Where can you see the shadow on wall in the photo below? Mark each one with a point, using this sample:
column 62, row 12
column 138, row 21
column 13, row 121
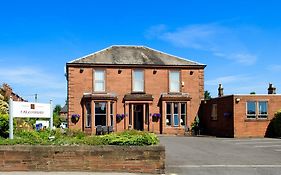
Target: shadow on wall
column 274, row 128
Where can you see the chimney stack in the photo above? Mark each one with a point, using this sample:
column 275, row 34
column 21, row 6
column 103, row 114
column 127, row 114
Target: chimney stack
column 271, row 89
column 220, row 90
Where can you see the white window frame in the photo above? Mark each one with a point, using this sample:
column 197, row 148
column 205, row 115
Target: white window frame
column 100, row 114
column 99, row 81
column 174, row 81
column 136, row 80
column 214, row 115
column 88, row 121
column 257, row 111
column 173, row 115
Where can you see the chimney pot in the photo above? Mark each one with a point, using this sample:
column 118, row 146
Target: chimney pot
column 220, row 90
column 271, row 89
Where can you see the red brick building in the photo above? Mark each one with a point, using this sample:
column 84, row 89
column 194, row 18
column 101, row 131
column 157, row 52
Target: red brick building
column 239, row 115
column 134, row 87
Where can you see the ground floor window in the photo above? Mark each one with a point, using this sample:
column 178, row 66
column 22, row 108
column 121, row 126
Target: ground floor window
column 100, row 113
column 175, row 114
column 257, row 109
column 111, row 114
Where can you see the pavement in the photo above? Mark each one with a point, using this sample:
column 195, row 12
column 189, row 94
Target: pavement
column 222, row 156
column 209, row 156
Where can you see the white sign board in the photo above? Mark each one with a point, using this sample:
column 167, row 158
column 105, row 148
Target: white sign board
column 30, row 110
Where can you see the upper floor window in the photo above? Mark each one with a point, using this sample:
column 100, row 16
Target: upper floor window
column 99, row 80
column 138, row 81
column 257, row 109
column 174, row 81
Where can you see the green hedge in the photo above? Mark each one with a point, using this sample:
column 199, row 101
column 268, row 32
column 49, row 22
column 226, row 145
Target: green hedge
column 69, row 137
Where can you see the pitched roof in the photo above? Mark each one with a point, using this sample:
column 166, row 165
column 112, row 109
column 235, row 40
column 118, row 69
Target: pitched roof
column 133, row 55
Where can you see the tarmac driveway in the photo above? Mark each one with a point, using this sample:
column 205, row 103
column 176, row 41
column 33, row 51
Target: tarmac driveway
column 210, row 155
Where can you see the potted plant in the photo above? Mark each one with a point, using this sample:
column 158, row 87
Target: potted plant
column 75, row 118
column 156, row 117
column 119, row 117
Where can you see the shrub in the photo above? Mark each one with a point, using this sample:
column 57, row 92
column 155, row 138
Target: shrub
column 274, row 127
column 4, row 125
column 70, row 137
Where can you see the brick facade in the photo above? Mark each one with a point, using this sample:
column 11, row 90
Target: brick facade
column 232, row 118
column 118, row 81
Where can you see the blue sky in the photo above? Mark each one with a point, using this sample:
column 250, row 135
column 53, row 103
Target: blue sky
column 240, row 41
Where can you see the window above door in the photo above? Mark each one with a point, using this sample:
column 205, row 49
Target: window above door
column 138, row 80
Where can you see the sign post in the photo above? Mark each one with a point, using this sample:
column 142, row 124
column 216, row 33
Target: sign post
column 11, row 124
column 28, row 110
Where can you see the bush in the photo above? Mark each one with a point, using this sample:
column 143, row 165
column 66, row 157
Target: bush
column 4, row 125
column 70, row 137
column 274, row 127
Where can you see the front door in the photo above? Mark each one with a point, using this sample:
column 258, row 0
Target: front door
column 138, row 117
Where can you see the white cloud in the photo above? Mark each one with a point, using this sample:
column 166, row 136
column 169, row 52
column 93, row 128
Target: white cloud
column 221, row 41
column 28, row 81
column 274, row 68
column 227, row 80
column 31, row 77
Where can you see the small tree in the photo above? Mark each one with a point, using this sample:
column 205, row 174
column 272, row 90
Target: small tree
column 252, row 93
column 56, row 116
column 207, row 95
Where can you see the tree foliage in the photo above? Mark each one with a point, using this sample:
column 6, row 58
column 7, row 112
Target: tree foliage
column 207, row 95
column 4, row 106
column 274, row 127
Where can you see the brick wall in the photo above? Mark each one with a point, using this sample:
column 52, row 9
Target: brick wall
column 254, row 127
column 146, row 159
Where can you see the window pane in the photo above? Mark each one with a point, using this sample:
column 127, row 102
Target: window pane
column 174, row 79
column 168, row 120
column 251, row 107
column 183, row 120
column 176, row 120
column 138, row 80
column 100, row 108
column 176, row 108
column 138, row 86
column 88, row 114
column 138, row 74
column 99, row 75
column 168, row 108
column 174, row 87
column 183, row 108
column 263, row 109
column 100, row 120
column 99, row 86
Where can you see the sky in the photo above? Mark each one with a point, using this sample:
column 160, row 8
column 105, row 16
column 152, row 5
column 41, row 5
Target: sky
column 239, row 41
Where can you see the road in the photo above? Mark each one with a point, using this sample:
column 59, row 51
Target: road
column 222, row 156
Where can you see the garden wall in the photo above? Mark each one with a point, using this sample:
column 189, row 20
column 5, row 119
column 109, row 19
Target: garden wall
column 144, row 159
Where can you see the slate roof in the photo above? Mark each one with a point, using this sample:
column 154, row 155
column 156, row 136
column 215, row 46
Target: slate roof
column 133, row 55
